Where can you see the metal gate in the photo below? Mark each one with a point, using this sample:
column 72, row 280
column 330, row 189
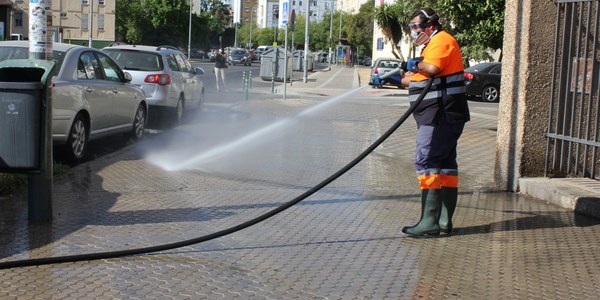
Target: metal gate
column 572, row 140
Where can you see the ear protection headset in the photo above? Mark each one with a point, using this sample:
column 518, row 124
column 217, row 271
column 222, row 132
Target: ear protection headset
column 433, row 19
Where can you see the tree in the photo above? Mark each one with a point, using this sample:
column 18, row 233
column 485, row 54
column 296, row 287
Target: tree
column 477, row 25
column 160, row 22
column 389, row 18
column 360, row 28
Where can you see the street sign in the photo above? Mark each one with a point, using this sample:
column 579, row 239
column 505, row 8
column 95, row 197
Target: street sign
column 284, row 6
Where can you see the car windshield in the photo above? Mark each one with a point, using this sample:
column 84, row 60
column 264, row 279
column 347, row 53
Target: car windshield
column 13, row 52
column 388, row 64
column 238, row 52
column 136, row 60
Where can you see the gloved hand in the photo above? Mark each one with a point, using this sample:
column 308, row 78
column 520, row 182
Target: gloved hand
column 411, row 64
column 376, row 81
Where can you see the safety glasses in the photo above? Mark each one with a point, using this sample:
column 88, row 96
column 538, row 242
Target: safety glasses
column 414, row 26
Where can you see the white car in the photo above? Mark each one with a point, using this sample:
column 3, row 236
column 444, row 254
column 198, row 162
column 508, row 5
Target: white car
column 171, row 84
column 91, row 96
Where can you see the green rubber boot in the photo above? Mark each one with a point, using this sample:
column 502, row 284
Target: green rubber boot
column 449, row 199
column 431, row 202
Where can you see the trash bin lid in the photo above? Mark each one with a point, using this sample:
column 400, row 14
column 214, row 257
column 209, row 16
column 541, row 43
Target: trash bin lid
column 20, row 85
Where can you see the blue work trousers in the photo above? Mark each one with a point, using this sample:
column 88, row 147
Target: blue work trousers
column 436, row 147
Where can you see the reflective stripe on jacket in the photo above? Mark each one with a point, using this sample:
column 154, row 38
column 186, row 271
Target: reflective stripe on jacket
column 447, row 93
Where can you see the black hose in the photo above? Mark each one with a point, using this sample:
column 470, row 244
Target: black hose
column 121, row 253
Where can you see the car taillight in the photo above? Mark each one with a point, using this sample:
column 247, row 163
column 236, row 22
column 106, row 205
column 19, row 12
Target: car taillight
column 160, row 79
column 376, row 71
column 469, row 76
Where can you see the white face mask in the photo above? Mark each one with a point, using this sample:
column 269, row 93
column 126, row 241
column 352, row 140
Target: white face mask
column 414, row 34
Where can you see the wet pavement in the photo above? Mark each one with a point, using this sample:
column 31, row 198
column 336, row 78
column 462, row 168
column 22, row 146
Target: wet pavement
column 241, row 159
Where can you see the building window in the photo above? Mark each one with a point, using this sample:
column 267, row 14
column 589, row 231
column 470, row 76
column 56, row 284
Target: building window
column 84, row 21
column 63, row 15
column 314, row 3
column 100, row 22
column 85, row 2
column 18, row 19
column 300, row 3
column 100, row 2
column 380, row 44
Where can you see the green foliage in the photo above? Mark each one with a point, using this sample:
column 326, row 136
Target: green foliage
column 159, row 22
column 477, row 25
column 360, row 28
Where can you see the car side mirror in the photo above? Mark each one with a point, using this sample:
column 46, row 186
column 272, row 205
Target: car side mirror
column 199, row 71
column 127, row 76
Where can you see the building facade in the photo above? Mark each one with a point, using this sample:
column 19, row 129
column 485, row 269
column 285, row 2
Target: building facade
column 73, row 21
column 382, row 47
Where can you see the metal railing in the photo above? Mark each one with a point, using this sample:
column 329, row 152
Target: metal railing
column 572, row 139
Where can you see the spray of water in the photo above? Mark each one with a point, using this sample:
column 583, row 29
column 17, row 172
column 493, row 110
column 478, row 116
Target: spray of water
column 175, row 161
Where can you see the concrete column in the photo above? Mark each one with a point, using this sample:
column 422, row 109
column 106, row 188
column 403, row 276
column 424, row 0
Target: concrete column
column 528, row 49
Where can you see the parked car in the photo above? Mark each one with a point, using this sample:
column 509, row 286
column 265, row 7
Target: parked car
column 171, row 84
column 238, row 56
column 383, row 65
column 483, row 81
column 195, row 53
column 91, row 97
column 367, row 61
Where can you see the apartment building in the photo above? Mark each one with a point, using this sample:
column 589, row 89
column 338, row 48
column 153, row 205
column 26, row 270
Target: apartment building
column 73, row 21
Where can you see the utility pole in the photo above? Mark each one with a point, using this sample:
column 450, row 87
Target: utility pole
column 340, row 33
column 39, row 185
column 235, row 35
column 91, row 21
column 305, row 77
column 251, row 10
column 329, row 56
column 190, row 33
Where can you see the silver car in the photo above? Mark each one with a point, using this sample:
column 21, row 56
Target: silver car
column 172, row 86
column 383, row 65
column 91, row 97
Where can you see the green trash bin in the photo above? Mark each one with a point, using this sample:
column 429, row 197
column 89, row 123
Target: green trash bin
column 23, row 96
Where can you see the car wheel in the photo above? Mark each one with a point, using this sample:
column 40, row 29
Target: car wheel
column 139, row 123
column 178, row 112
column 78, row 139
column 490, row 93
column 202, row 100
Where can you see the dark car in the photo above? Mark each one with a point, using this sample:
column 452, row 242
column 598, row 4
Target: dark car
column 195, row 53
column 483, row 81
column 239, row 56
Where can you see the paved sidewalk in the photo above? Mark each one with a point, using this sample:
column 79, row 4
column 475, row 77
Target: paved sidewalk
column 343, row 242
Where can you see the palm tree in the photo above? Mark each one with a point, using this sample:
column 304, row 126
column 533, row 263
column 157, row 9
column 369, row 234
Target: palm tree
column 389, row 18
